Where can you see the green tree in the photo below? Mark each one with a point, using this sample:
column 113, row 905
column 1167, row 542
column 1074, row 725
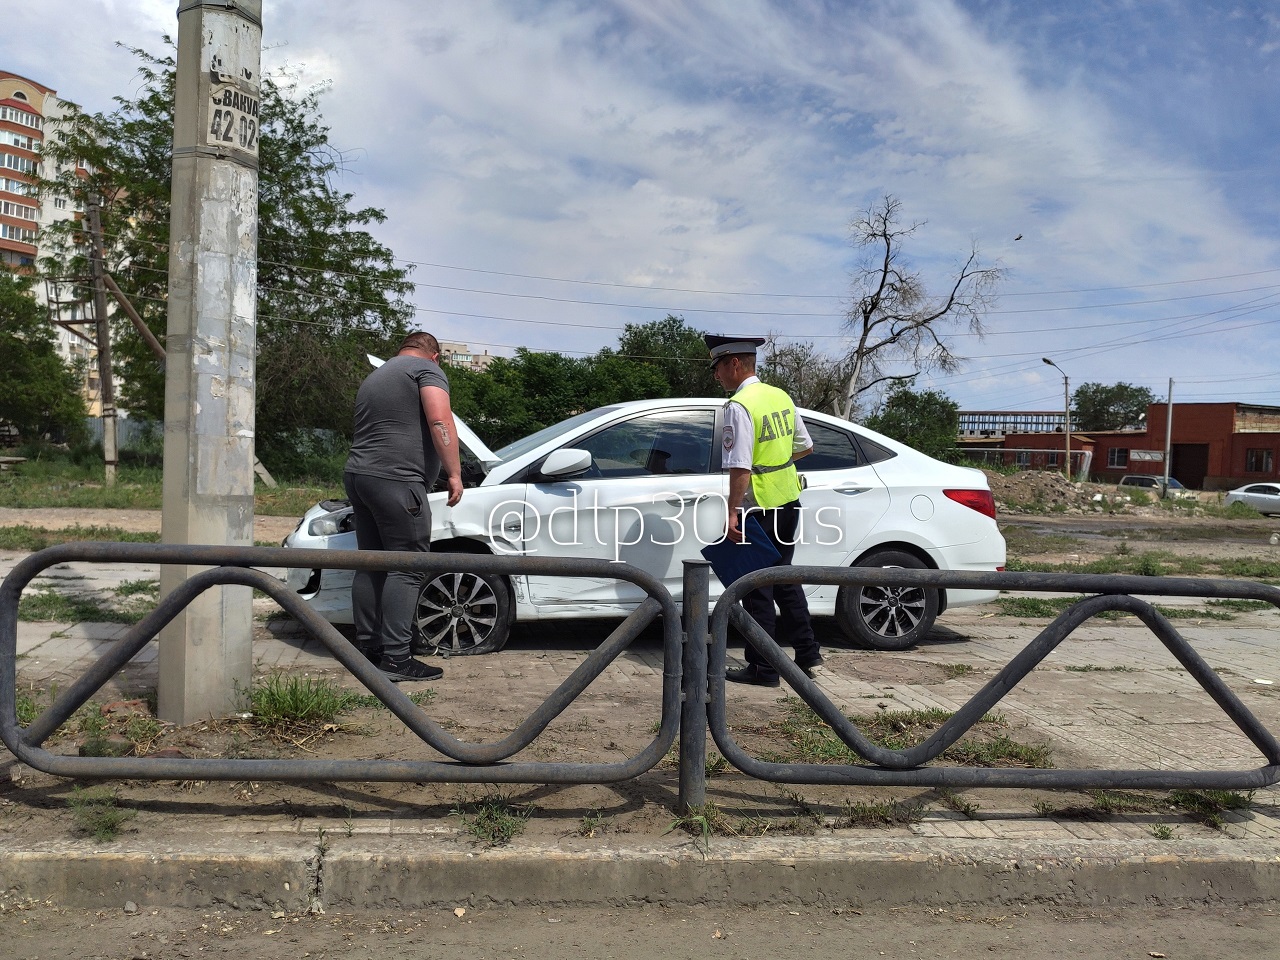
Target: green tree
column 1096, row 406
column 676, row 351
column 328, row 292
column 39, row 392
column 927, row 420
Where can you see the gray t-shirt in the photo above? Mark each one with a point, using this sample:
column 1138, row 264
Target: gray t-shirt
column 392, row 439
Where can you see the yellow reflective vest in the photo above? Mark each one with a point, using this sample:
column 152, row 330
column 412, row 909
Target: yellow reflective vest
column 774, row 480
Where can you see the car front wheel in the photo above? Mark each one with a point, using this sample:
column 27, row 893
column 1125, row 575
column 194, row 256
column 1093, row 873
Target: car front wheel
column 459, row 614
column 887, row 618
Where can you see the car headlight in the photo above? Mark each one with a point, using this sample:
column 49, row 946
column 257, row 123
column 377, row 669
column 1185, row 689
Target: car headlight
column 328, row 524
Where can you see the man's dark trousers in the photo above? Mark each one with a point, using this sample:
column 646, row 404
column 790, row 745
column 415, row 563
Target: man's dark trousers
column 390, row 515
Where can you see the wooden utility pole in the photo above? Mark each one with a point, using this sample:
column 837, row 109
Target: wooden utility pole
column 106, row 386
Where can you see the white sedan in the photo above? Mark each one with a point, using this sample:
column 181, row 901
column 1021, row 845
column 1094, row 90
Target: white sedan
column 641, row 482
column 1263, row 497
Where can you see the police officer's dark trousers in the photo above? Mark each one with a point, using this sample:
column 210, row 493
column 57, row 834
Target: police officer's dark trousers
column 791, row 625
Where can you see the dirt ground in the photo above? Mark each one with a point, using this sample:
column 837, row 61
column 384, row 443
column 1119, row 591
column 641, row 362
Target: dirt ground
column 38, row 930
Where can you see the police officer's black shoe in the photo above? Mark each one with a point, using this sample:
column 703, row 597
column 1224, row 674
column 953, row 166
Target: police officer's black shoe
column 808, row 664
column 753, row 674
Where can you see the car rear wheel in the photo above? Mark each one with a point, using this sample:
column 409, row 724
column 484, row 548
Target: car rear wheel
column 887, row 618
column 459, row 614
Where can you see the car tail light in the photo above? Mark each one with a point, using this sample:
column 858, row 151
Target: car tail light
column 980, row 500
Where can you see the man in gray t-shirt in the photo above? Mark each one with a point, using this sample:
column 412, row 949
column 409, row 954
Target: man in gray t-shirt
column 404, row 433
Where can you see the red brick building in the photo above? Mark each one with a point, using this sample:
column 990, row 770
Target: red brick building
column 1214, row 446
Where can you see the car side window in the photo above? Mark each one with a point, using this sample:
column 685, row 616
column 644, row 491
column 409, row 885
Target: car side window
column 832, row 449
column 670, row 442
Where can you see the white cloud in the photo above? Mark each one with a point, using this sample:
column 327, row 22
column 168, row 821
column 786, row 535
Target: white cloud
column 726, row 144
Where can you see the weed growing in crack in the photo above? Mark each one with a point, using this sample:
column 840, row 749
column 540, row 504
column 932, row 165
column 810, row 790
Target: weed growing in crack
column 494, row 819
column 96, row 812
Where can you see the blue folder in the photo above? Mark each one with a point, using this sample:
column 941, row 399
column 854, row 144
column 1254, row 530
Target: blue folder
column 730, row 560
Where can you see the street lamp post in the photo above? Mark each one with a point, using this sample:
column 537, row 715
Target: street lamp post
column 1066, row 402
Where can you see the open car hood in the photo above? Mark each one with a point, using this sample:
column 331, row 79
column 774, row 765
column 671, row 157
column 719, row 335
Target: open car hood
column 466, row 435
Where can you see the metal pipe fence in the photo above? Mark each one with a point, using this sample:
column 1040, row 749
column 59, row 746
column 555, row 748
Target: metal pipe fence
column 908, row 767
column 693, row 697
column 479, row 763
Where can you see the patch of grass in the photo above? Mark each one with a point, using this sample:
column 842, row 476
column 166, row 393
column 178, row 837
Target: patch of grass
column 282, row 702
column 135, row 588
column 701, row 822
column 961, row 805
column 1240, row 606
column 1237, row 511
column 96, row 812
column 1208, row 806
column 53, row 480
column 47, row 604
column 1162, row 831
column 494, row 819
column 1094, row 668
column 716, row 765
column 358, row 701
column 955, row 670
column 1050, row 607
column 593, row 822
column 29, row 539
column 1046, row 607
column 878, row 813
column 1000, row 750
column 1203, row 806
column 810, row 740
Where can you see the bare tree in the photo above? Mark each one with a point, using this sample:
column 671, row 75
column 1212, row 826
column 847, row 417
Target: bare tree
column 893, row 316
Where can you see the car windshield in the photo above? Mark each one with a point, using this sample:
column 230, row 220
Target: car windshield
column 519, row 447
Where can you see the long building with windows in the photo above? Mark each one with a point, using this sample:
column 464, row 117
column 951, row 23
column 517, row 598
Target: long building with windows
column 28, row 109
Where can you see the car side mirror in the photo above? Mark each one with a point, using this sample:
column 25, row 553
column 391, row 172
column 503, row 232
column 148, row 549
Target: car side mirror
column 565, row 463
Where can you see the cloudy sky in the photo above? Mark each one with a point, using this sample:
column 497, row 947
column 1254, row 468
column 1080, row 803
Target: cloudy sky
column 555, row 169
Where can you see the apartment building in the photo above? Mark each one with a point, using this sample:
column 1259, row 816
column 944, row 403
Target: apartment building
column 28, row 110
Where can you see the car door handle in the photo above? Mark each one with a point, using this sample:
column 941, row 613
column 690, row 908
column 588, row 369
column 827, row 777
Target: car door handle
column 851, row 491
column 678, row 499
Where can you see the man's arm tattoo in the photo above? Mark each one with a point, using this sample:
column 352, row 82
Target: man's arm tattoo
column 443, row 431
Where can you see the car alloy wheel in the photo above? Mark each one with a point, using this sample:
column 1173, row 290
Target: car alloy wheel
column 458, row 614
column 887, row 618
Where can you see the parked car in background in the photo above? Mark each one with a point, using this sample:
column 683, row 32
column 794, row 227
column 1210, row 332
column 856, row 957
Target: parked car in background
column 641, row 482
column 1263, row 497
column 1152, row 485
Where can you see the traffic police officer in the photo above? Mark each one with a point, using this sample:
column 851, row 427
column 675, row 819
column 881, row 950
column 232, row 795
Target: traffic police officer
column 763, row 437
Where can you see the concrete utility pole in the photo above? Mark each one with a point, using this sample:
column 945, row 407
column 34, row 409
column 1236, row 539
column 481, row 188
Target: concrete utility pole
column 106, row 385
column 206, row 655
column 1168, row 442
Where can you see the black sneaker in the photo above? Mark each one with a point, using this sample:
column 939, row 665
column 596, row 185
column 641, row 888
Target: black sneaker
column 408, row 669
column 752, row 674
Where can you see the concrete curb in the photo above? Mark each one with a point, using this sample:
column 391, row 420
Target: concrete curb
column 343, row 874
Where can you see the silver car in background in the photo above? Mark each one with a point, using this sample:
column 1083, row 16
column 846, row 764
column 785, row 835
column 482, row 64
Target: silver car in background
column 1263, row 497
column 642, row 483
